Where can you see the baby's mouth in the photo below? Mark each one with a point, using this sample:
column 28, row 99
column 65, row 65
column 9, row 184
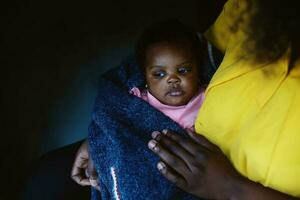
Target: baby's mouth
column 175, row 92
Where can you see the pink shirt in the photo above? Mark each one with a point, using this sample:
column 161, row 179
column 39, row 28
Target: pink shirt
column 184, row 115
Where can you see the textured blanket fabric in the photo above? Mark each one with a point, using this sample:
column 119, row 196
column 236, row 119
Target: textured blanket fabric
column 120, row 129
column 118, row 135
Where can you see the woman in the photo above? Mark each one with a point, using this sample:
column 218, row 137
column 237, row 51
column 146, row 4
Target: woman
column 250, row 112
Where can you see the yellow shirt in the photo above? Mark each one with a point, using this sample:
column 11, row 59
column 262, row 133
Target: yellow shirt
column 252, row 111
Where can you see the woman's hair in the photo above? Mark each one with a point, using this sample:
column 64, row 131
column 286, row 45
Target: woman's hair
column 171, row 31
column 274, row 27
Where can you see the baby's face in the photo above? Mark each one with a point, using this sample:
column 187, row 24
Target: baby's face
column 171, row 73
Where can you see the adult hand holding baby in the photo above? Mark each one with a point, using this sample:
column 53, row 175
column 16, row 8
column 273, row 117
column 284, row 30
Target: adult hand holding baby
column 83, row 170
column 194, row 164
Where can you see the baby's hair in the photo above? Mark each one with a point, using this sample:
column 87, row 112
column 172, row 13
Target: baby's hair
column 171, row 31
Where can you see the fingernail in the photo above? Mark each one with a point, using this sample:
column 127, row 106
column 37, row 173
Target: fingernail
column 152, row 145
column 94, row 182
column 161, row 166
column 86, row 173
column 155, row 134
column 98, row 188
column 165, row 131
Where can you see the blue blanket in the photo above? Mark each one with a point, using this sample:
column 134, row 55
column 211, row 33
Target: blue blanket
column 118, row 135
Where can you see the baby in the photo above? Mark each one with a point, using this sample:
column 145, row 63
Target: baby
column 169, row 82
column 170, row 55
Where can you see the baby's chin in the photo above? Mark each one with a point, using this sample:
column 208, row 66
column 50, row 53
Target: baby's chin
column 176, row 101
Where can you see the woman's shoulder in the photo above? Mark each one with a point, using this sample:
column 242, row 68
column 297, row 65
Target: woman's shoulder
column 230, row 25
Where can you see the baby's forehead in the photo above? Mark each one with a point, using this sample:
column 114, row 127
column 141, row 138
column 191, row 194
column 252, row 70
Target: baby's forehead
column 166, row 53
column 177, row 44
column 170, row 48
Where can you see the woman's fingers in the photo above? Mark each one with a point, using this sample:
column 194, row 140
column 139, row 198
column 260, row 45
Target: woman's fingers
column 189, row 145
column 83, row 170
column 173, row 144
column 185, row 143
column 194, row 164
column 78, row 170
column 177, row 164
column 171, row 175
column 200, row 139
column 92, row 174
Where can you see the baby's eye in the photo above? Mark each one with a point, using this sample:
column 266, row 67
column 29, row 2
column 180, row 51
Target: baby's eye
column 159, row 74
column 184, row 70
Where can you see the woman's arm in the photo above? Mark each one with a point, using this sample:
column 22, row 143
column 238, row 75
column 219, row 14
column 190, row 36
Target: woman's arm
column 200, row 168
column 246, row 189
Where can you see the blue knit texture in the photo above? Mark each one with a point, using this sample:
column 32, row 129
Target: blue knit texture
column 120, row 129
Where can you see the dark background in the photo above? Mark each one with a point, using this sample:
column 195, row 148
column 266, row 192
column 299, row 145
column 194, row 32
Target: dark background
column 52, row 53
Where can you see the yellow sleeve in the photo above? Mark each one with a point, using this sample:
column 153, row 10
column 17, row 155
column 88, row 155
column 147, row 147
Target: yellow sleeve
column 220, row 33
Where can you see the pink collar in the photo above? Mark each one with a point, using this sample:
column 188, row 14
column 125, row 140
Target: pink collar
column 184, row 115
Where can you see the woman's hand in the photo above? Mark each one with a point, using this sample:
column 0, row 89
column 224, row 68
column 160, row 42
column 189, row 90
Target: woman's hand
column 195, row 165
column 200, row 168
column 83, row 170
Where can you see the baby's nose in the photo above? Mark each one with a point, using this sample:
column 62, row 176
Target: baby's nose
column 173, row 79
